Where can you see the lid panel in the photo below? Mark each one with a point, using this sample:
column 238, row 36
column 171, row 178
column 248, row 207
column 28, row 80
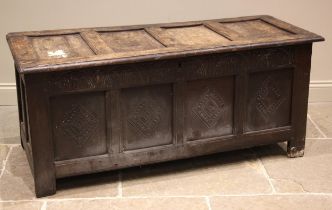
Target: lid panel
column 192, row 35
column 62, row 46
column 256, row 29
column 132, row 40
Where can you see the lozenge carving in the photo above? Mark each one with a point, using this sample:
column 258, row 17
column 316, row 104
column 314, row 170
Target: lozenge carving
column 79, row 123
column 268, row 98
column 145, row 118
column 209, row 108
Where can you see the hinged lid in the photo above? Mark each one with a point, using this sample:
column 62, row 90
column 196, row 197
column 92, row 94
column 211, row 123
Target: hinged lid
column 75, row 48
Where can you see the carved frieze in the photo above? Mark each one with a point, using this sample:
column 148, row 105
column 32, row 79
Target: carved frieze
column 267, row 59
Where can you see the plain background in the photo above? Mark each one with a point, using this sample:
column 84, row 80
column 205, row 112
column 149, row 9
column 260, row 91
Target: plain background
column 23, row 15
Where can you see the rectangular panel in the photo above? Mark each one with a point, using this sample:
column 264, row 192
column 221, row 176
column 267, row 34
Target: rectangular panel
column 147, row 116
column 64, row 46
column 209, row 106
column 131, row 40
column 269, row 100
column 79, row 125
column 191, row 35
column 23, row 49
column 255, row 29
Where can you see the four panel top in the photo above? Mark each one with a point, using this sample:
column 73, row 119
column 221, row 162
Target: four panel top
column 75, row 48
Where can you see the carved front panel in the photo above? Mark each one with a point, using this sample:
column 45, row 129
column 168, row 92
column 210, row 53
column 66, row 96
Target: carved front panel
column 147, row 116
column 269, row 100
column 79, row 126
column 209, row 108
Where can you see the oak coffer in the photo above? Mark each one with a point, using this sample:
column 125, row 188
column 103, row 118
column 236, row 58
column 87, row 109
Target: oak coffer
column 97, row 99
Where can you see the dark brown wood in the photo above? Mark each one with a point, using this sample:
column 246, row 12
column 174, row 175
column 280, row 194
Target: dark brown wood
column 19, row 103
column 166, row 153
column 301, row 73
column 101, row 99
column 40, row 133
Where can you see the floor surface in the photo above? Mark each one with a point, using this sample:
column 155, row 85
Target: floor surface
column 257, row 178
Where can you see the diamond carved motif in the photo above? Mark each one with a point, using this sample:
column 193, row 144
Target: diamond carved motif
column 268, row 98
column 209, row 108
column 145, row 118
column 79, row 124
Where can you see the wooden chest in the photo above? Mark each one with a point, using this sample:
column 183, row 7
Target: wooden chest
column 97, row 99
